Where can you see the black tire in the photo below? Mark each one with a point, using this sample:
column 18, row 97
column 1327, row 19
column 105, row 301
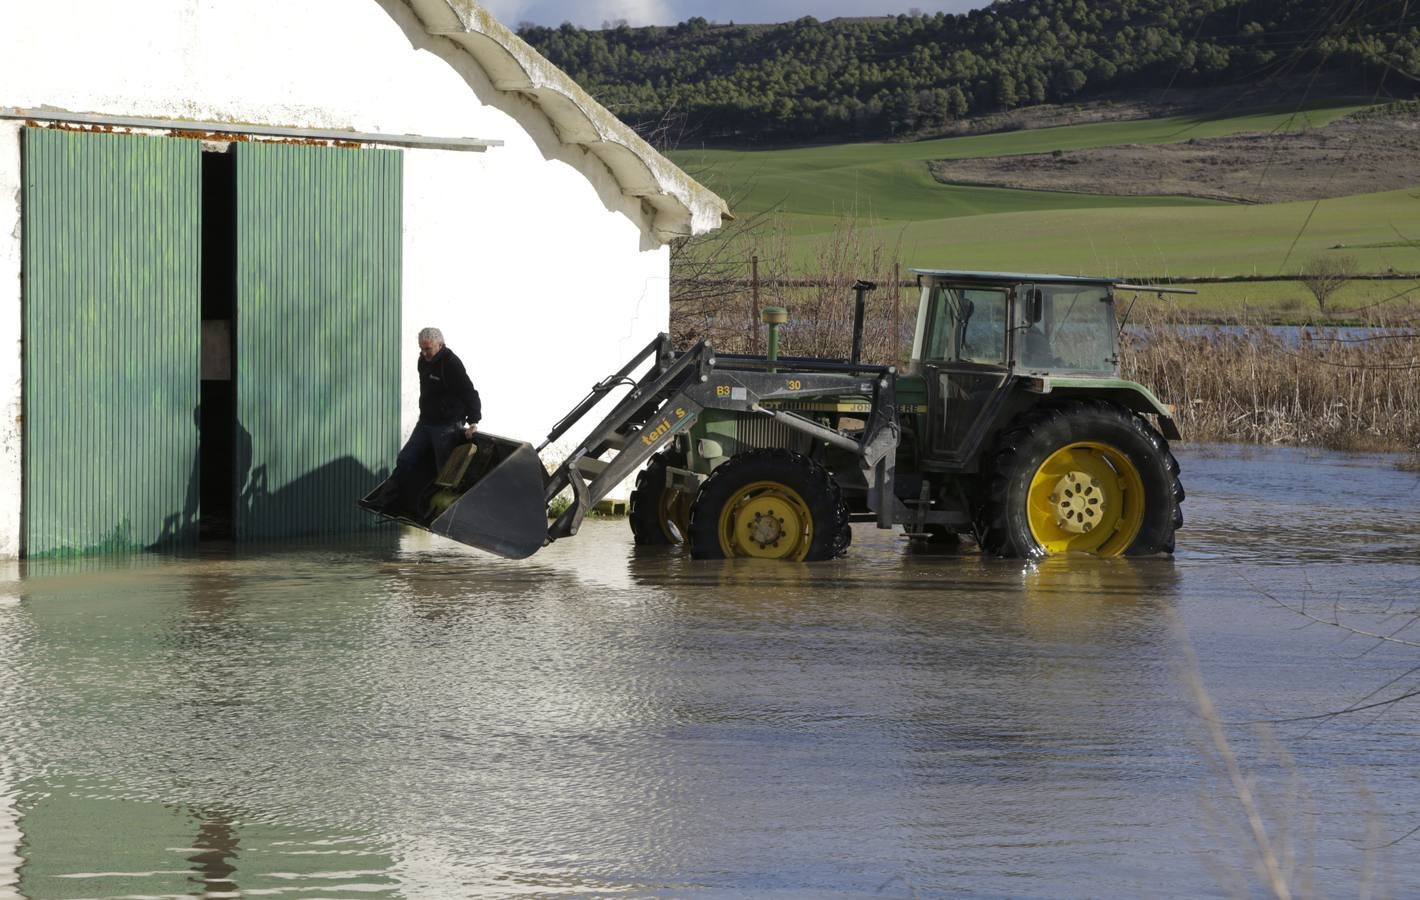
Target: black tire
column 815, row 486
column 1003, row 525
column 645, row 510
column 845, row 535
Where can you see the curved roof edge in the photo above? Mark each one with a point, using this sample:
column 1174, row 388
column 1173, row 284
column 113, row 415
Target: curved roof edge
column 679, row 206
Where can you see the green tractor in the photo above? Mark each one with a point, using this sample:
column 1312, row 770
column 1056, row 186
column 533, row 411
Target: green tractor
column 1011, row 425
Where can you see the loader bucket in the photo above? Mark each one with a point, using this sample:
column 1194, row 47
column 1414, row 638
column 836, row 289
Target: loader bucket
column 489, row 495
column 503, row 511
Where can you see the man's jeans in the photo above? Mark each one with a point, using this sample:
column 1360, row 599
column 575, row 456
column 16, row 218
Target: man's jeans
column 419, row 463
column 426, row 439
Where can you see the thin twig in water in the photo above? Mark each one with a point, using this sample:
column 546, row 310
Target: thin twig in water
column 1268, row 863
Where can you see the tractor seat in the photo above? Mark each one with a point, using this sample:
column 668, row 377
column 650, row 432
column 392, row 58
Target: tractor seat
column 456, row 466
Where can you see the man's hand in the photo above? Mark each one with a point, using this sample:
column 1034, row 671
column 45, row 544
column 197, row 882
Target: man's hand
column 469, row 432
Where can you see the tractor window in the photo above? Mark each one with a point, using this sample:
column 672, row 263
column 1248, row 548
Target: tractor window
column 1065, row 328
column 967, row 325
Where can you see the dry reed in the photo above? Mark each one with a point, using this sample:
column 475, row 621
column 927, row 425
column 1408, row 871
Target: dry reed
column 712, row 294
column 1247, row 383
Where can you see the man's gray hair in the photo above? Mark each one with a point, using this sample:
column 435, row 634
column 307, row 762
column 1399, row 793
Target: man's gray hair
column 431, row 334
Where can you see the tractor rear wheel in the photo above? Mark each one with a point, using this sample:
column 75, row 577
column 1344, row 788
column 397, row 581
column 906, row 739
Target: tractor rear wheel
column 769, row 504
column 1080, row 477
column 659, row 515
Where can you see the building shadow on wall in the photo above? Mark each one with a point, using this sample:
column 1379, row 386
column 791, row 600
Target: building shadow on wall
column 228, row 497
column 206, row 512
column 321, row 501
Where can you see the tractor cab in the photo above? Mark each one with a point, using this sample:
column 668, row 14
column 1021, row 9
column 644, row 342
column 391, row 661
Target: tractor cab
column 978, row 332
column 1028, row 324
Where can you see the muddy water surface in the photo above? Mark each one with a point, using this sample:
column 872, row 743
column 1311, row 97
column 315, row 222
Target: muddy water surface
column 405, row 717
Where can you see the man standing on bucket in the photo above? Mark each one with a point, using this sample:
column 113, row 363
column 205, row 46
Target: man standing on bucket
column 449, row 412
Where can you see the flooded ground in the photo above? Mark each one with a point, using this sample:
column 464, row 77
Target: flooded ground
column 1291, row 336
column 404, row 717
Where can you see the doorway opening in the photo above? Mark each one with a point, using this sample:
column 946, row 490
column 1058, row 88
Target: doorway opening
column 217, row 409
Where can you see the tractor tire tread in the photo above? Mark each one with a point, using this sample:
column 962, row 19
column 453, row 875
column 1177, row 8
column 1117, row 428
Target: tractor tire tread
column 1027, row 441
column 817, row 486
column 643, row 509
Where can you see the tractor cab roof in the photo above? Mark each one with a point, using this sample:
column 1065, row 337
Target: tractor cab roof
column 1012, row 277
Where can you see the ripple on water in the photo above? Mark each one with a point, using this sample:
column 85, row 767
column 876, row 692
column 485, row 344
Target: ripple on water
column 404, row 716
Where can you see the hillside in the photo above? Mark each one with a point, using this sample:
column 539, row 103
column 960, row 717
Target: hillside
column 813, row 186
column 1355, row 155
column 855, row 79
column 885, row 196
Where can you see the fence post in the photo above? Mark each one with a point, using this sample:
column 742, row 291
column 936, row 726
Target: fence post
column 896, row 345
column 754, row 305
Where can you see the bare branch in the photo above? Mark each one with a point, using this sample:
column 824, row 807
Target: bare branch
column 1325, row 275
column 1268, row 858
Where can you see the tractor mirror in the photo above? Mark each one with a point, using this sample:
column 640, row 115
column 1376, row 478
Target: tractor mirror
column 1037, row 305
column 963, row 316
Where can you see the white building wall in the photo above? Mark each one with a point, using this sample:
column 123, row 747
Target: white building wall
column 540, row 271
column 538, row 323
column 10, row 358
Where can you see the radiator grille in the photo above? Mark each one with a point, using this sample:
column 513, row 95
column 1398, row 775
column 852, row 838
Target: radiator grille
column 762, row 431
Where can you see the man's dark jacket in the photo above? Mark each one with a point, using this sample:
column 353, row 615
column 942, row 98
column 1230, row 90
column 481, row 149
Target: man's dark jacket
column 446, row 395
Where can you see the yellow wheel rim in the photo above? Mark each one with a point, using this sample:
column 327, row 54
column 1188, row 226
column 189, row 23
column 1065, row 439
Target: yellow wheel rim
column 1086, row 498
column 674, row 515
column 766, row 520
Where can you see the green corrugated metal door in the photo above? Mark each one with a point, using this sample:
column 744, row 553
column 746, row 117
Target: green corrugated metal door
column 111, row 317
column 318, row 315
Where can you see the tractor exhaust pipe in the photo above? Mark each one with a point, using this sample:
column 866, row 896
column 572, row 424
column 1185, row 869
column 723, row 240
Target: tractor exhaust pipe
column 773, row 316
column 859, row 306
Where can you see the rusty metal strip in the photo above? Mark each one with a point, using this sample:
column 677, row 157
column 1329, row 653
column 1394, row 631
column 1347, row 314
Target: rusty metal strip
column 239, row 131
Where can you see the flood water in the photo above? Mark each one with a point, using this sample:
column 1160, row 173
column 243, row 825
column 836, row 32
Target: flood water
column 1320, row 337
column 400, row 716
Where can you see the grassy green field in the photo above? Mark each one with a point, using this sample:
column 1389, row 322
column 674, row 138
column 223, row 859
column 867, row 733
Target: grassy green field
column 1226, row 239
column 891, row 182
column 890, row 196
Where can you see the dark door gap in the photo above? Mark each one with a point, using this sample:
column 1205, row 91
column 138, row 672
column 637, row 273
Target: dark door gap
column 217, row 413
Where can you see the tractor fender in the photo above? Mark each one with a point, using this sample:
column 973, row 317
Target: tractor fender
column 1129, row 394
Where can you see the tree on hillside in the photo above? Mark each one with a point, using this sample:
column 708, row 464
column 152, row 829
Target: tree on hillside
column 1325, row 275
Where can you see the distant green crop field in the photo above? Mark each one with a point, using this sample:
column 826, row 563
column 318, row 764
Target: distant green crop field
column 890, row 181
column 1220, row 239
column 887, row 192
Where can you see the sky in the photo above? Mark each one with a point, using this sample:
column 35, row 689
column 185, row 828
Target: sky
column 592, row 13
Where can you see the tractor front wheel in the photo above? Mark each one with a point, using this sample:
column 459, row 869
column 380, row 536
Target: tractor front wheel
column 659, row 515
column 1081, row 477
column 769, row 504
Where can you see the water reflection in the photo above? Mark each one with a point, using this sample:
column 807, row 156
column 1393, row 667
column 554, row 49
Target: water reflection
column 1098, row 599
column 83, row 840
column 947, row 686
column 217, row 846
column 12, row 763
